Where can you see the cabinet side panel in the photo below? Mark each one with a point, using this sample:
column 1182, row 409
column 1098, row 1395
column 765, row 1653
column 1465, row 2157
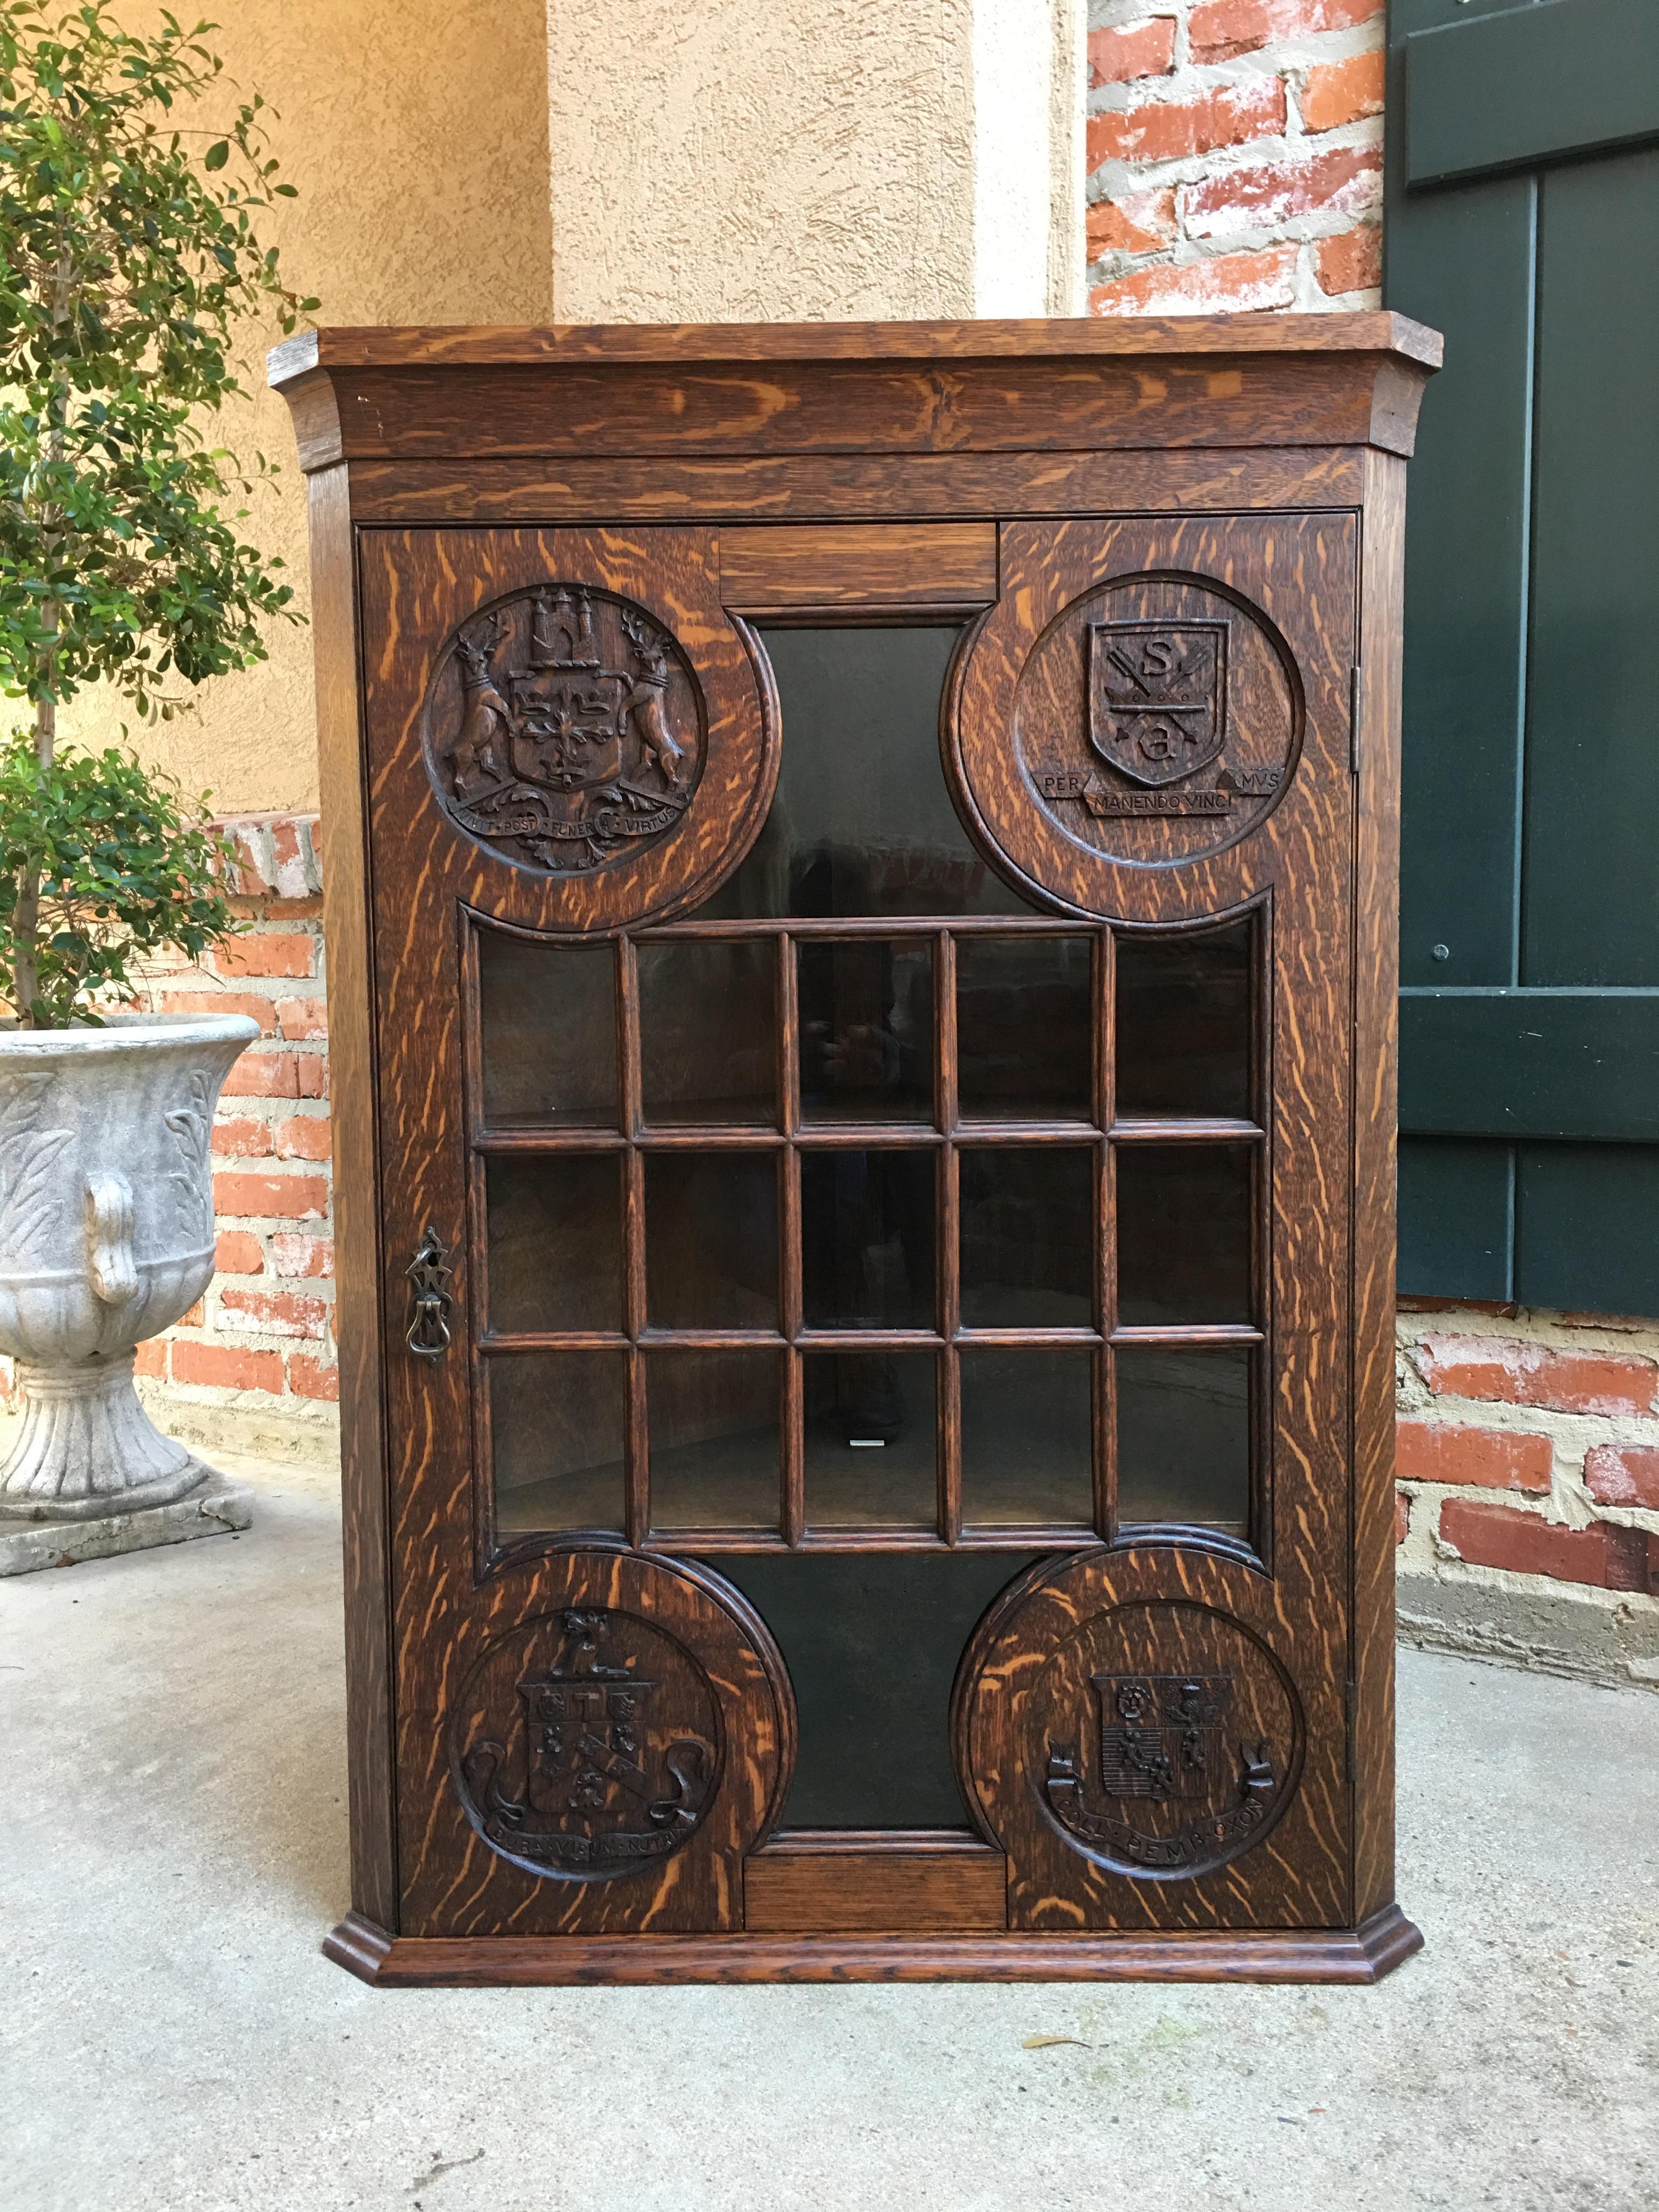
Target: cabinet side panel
column 346, row 910
column 1377, row 924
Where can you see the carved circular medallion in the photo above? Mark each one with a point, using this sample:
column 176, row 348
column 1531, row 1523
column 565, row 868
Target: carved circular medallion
column 643, row 1707
column 1158, row 719
column 588, row 1744
column 1163, row 1737
column 1154, row 1738
column 564, row 728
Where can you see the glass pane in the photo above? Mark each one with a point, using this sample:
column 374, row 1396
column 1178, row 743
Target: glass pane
column 1025, row 1029
column 862, row 823
column 711, row 1240
column 1028, row 1240
column 1183, row 1024
column 1026, row 1438
column 555, row 1422
column 1183, row 1233
column 871, row 1451
column 554, row 1239
column 867, row 1030
column 867, row 1239
column 871, row 1642
column 708, row 1032
column 1183, row 1435
column 714, row 1453
column 549, row 1018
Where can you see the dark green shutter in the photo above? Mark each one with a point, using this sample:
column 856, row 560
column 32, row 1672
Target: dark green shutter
column 1522, row 221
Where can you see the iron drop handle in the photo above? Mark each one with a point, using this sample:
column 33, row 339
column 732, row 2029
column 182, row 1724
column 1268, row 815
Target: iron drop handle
column 428, row 1270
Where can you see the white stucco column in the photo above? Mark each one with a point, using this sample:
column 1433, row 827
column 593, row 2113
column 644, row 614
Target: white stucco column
column 736, row 161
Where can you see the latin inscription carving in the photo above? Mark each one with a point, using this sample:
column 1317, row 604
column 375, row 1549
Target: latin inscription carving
column 564, row 729
column 609, row 1759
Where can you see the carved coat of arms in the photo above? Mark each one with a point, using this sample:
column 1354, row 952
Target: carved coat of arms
column 599, row 1782
column 572, row 734
column 1157, row 697
column 1171, row 1787
column 1160, row 1735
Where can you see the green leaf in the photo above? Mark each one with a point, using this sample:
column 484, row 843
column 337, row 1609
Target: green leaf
column 217, row 156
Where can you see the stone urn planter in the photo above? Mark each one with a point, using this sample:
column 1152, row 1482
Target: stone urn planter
column 105, row 1238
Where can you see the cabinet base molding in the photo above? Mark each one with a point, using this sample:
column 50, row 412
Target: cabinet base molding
column 1343, row 1955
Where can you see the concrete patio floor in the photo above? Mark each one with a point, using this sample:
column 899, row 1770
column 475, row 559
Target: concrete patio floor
column 174, row 1831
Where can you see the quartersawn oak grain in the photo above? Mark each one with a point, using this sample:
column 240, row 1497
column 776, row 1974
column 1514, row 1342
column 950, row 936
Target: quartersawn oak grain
column 872, row 473
column 1337, row 1956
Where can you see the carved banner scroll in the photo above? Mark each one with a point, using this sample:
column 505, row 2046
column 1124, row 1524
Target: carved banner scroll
column 565, row 729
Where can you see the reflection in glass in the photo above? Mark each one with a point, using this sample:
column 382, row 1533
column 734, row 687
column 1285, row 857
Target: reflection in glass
column 1027, row 1457
column 871, row 1453
column 1183, row 1024
column 1183, row 1435
column 867, row 1239
column 711, row 1240
column 1025, row 1029
column 867, row 1030
column 862, row 823
column 714, row 1450
column 707, row 1032
column 555, row 1241
column 1028, row 1236
column 548, row 1013
column 556, row 1421
column 1183, row 1233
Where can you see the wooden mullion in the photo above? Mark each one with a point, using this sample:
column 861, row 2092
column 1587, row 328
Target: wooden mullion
column 1104, row 1362
column 1168, row 1129
column 638, row 1449
column 866, row 1136
column 895, row 926
column 1027, row 1339
column 946, row 1098
column 1193, row 1336
column 792, row 1407
column 637, row 1428
column 713, row 1137
column 571, row 1138
column 870, row 1340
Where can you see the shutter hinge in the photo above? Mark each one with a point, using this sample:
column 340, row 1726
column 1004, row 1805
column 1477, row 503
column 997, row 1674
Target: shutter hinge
column 1355, row 694
column 1350, row 1707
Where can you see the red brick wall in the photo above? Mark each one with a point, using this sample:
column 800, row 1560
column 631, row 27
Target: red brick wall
column 1529, row 1446
column 1235, row 150
column 252, row 1364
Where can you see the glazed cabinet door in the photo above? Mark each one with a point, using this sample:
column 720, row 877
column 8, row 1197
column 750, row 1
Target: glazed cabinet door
column 865, row 1064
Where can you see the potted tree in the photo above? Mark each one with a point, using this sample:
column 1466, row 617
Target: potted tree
column 131, row 261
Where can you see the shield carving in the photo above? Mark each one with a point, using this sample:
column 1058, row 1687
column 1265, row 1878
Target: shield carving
column 1160, row 1735
column 1158, row 697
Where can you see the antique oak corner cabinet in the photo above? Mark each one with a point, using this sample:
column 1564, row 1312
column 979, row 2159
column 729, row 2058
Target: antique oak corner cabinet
column 861, row 915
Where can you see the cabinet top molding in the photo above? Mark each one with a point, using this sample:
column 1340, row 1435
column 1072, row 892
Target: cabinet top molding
column 483, row 345
column 745, row 392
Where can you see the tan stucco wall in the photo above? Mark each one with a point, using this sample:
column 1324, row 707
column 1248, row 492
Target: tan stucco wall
column 416, row 131
column 813, row 159
column 733, row 160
